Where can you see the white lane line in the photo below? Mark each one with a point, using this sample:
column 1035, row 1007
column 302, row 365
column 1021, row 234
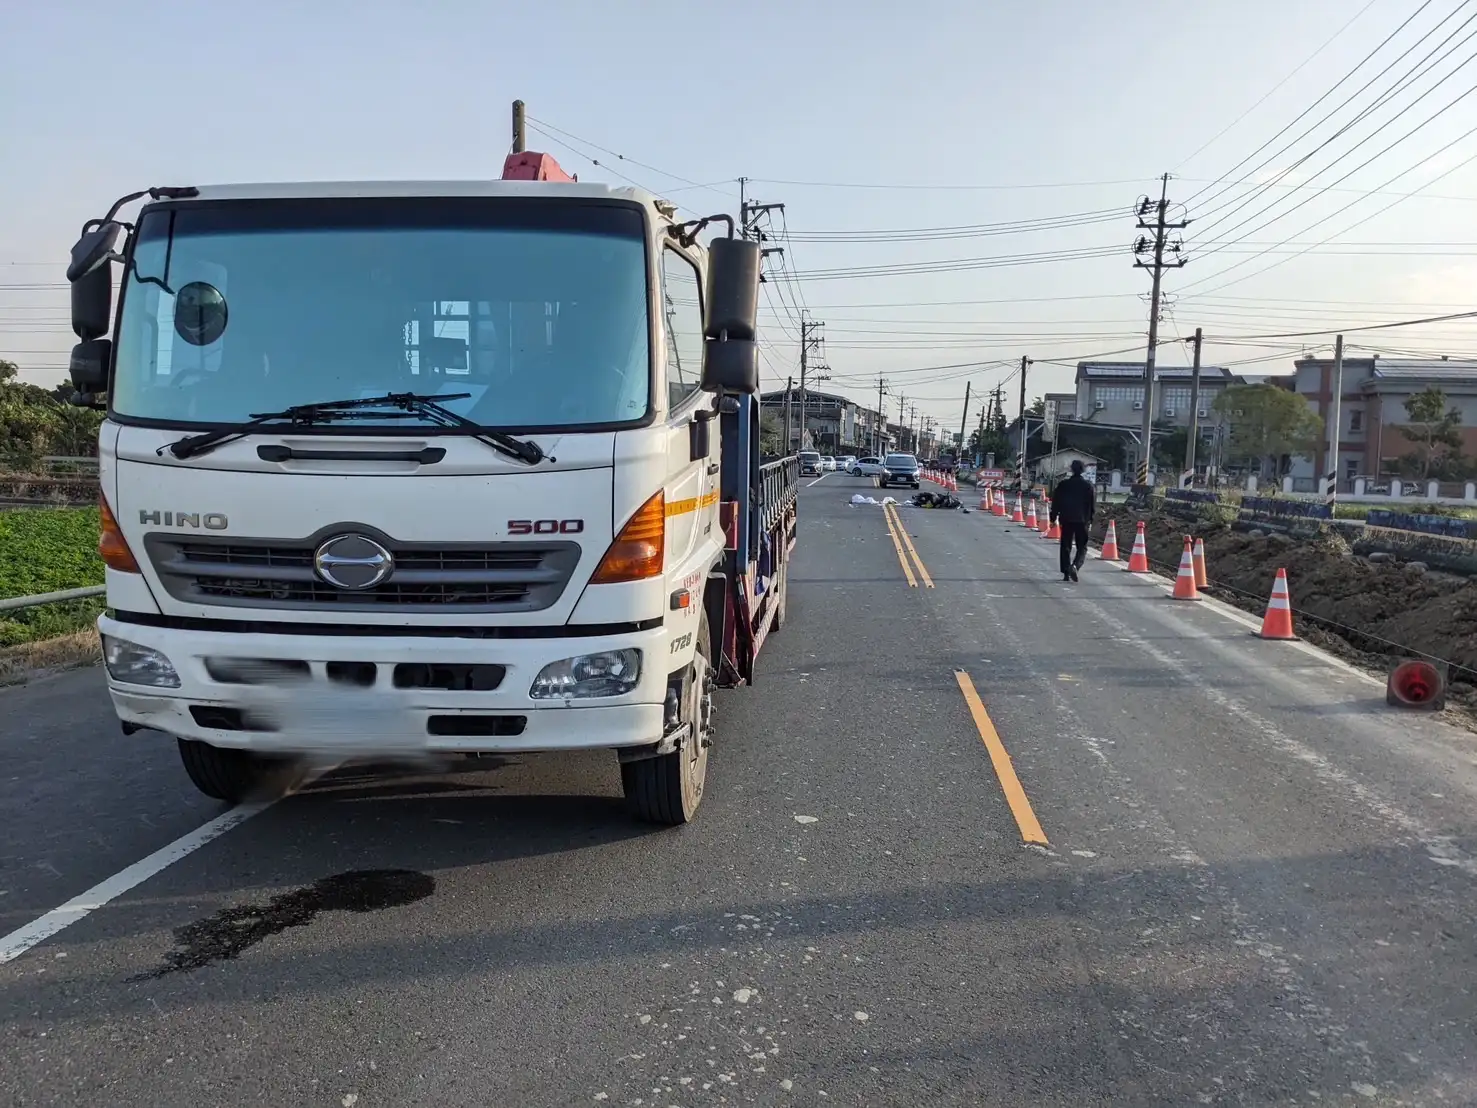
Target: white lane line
column 818, row 480
column 15, row 944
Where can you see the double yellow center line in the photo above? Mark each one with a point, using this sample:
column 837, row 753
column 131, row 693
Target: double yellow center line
column 900, row 541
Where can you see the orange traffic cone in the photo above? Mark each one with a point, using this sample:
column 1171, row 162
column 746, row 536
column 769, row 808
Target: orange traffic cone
column 1016, row 516
column 1184, row 582
column 1201, row 580
column 1043, row 515
column 1000, row 508
column 1054, row 531
column 1110, row 543
column 1138, row 557
column 1030, row 520
column 1277, row 623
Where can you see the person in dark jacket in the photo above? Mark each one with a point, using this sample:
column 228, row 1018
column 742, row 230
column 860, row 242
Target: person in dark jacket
column 1073, row 505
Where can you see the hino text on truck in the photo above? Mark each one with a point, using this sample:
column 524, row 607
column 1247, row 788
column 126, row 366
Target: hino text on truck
column 448, row 468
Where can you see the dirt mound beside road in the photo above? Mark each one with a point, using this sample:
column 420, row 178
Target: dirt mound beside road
column 1353, row 602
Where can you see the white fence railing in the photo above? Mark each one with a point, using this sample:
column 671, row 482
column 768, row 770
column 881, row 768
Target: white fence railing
column 16, row 603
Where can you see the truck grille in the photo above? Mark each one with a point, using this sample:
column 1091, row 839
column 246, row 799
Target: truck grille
column 274, row 573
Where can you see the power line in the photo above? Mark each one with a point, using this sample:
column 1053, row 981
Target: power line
column 1305, row 63
column 939, row 187
column 1400, row 84
column 1337, row 212
column 962, row 231
column 1413, row 131
column 1358, row 65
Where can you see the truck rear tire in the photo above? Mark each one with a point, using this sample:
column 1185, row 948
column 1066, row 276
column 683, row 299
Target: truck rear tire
column 237, row 775
column 667, row 789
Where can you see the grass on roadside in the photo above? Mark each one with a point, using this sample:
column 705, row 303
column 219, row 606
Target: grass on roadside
column 48, row 550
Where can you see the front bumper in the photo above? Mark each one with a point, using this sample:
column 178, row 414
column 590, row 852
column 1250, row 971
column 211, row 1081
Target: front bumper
column 351, row 718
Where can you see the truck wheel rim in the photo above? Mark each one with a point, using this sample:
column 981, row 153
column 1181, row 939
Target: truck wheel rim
column 701, row 709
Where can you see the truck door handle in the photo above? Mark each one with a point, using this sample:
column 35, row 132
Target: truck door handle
column 426, row 456
column 712, row 468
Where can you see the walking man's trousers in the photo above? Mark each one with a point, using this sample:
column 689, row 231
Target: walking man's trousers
column 1073, row 532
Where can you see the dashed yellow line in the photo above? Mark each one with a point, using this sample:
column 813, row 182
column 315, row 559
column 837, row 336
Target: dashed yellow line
column 898, row 546
column 907, row 542
column 1010, row 784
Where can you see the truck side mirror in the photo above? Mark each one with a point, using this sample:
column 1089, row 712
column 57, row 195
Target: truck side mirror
column 730, row 366
column 89, row 369
column 92, row 280
column 730, row 354
column 733, row 290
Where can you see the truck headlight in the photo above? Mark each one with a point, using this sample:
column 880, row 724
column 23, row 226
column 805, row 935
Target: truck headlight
column 608, row 673
column 138, row 665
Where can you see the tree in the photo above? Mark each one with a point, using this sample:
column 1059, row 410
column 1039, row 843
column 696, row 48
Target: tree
column 35, row 422
column 989, row 441
column 1037, row 408
column 1433, row 431
column 771, row 433
column 1268, row 423
column 1169, row 445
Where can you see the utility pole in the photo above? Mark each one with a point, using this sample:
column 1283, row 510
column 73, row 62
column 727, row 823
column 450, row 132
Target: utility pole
column 749, row 215
column 1334, row 419
column 881, row 429
column 1155, row 248
column 1020, row 459
column 963, row 422
column 520, row 127
column 1194, row 437
column 913, row 425
column 789, row 387
column 809, row 338
column 902, row 407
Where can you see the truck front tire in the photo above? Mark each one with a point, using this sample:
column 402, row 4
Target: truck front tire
column 237, row 775
column 667, row 789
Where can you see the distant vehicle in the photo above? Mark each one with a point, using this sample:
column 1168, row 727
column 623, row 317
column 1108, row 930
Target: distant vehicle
column 845, row 464
column 869, row 466
column 810, row 464
column 900, row 469
column 828, row 463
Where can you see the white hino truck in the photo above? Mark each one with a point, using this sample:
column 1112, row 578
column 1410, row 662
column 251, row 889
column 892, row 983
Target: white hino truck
column 429, row 470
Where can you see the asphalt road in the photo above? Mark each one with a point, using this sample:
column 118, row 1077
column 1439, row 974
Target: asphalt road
column 1256, row 887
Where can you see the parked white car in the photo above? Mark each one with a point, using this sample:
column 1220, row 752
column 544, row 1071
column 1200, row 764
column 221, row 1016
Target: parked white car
column 844, row 465
column 868, row 467
column 828, row 463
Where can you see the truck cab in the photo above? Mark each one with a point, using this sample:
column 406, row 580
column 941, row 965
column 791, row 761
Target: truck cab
column 425, row 469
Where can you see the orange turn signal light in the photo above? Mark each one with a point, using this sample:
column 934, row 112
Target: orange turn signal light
column 639, row 551
column 112, row 547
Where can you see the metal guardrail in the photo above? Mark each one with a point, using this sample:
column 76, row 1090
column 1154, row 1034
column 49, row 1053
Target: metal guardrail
column 16, row 603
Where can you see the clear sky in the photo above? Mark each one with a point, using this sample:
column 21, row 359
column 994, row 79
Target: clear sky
column 858, row 117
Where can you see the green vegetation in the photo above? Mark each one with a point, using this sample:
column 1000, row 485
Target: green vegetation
column 48, row 551
column 1267, row 424
column 35, row 422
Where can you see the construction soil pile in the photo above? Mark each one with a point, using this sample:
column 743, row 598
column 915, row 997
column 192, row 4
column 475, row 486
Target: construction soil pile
column 1361, row 610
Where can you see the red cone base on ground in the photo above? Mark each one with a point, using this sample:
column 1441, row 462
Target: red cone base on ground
column 1415, row 684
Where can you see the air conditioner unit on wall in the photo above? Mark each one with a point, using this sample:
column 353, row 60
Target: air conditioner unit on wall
column 1138, row 405
column 1203, row 413
column 1169, row 412
column 1100, row 405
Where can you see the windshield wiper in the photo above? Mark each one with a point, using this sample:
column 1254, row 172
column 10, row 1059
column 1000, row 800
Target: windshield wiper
column 330, row 411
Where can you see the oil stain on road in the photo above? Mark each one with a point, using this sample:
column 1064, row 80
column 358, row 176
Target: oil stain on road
column 229, row 932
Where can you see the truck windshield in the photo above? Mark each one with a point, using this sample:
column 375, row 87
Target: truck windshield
column 536, row 308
